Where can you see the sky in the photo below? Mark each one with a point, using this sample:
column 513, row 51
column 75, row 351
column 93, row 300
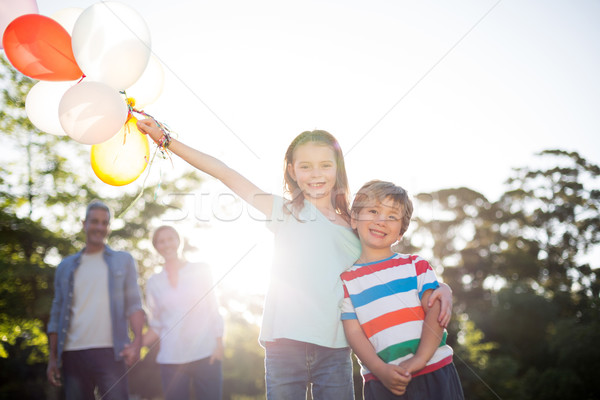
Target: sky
column 427, row 94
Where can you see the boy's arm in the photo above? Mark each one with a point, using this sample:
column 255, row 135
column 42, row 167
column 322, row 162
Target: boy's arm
column 431, row 336
column 393, row 377
column 444, row 294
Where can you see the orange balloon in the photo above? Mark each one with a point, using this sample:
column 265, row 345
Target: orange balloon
column 40, row 48
column 121, row 159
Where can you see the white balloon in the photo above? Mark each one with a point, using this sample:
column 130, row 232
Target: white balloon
column 111, row 44
column 92, row 112
column 67, row 17
column 150, row 85
column 41, row 105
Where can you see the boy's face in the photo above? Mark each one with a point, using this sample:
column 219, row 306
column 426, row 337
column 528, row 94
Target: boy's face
column 378, row 225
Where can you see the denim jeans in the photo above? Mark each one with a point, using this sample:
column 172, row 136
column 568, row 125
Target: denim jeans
column 294, row 367
column 206, row 378
column 84, row 370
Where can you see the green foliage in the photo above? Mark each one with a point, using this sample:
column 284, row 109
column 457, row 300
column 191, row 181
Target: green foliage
column 517, row 270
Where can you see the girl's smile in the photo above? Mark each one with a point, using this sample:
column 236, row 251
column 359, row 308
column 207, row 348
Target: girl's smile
column 314, row 170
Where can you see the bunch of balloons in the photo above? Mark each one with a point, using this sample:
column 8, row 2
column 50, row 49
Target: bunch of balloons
column 86, row 60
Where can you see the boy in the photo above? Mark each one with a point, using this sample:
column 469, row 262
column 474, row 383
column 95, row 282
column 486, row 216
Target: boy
column 385, row 315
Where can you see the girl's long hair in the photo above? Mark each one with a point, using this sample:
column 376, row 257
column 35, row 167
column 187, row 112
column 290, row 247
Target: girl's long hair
column 340, row 194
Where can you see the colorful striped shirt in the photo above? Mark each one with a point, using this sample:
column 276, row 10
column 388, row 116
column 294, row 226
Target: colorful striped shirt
column 385, row 297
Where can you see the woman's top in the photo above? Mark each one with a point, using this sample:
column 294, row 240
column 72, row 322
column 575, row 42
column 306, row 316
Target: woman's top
column 185, row 317
column 305, row 291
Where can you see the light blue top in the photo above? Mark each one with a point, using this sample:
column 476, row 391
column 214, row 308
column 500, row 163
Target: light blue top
column 123, row 290
column 305, row 292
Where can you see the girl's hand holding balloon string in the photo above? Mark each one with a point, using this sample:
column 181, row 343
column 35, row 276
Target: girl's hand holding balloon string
column 149, row 127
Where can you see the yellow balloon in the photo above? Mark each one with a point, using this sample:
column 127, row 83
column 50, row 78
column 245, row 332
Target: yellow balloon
column 121, row 159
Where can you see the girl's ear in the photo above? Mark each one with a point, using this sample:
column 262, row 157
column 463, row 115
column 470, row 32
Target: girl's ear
column 290, row 169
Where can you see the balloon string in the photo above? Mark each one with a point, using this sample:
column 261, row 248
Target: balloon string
column 163, row 151
column 143, row 186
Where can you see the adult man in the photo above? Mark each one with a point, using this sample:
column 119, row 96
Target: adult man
column 96, row 294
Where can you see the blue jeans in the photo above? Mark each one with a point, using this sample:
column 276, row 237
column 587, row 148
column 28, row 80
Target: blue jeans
column 84, row 370
column 293, row 367
column 206, row 378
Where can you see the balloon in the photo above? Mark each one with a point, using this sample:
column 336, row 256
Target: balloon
column 41, row 105
column 11, row 9
column 40, row 48
column 111, row 43
column 67, row 17
column 92, row 112
column 121, row 159
column 149, row 87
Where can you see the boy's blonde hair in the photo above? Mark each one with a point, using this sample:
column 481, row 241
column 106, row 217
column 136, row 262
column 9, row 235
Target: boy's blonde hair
column 377, row 191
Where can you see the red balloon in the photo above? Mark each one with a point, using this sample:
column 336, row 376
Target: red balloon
column 40, row 48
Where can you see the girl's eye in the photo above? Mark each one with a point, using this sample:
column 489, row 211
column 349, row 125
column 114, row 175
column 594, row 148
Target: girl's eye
column 372, row 211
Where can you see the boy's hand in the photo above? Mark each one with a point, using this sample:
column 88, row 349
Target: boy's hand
column 412, row 365
column 394, row 377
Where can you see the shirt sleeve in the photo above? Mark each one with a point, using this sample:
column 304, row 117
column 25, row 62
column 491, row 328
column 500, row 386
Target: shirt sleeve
column 153, row 309
column 56, row 301
column 426, row 277
column 277, row 215
column 348, row 311
column 133, row 300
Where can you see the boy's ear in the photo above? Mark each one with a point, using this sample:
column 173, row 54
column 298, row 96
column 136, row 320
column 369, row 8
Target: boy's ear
column 353, row 222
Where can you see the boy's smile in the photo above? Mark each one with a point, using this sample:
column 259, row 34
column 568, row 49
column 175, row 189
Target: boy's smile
column 378, row 226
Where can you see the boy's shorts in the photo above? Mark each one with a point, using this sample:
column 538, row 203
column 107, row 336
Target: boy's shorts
column 441, row 384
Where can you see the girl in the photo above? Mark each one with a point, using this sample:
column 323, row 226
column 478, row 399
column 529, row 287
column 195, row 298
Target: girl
column 184, row 315
column 301, row 330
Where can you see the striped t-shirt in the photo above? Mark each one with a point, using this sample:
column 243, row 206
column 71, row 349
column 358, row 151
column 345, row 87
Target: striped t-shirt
column 385, row 297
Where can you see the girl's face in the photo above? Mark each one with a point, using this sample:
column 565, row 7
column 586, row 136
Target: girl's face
column 314, row 169
column 166, row 242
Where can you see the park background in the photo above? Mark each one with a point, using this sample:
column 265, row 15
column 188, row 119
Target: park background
column 443, row 99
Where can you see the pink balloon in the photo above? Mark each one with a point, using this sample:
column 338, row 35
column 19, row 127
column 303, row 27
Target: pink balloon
column 92, row 112
column 11, row 9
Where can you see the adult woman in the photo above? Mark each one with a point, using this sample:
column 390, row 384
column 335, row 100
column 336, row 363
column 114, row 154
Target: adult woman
column 183, row 314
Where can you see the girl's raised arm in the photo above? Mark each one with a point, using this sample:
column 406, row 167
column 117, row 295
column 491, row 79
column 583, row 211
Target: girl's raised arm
column 248, row 191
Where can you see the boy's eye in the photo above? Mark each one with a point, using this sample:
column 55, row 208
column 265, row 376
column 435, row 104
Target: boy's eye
column 372, row 211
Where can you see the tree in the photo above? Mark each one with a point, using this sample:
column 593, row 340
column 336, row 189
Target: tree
column 45, row 185
column 519, row 272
